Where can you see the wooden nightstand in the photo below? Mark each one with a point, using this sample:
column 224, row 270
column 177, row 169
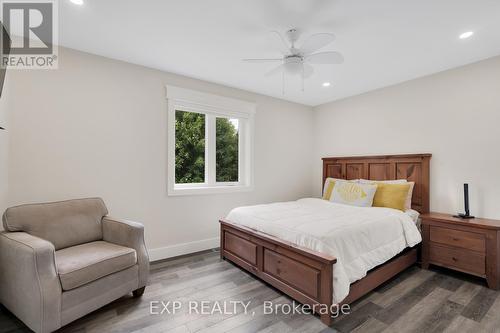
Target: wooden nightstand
column 471, row 246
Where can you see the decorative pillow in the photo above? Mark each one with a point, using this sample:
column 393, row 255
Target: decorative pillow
column 391, row 195
column 353, row 193
column 330, row 183
column 328, row 188
column 397, row 181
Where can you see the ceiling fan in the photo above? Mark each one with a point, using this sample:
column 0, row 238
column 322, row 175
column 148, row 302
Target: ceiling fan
column 299, row 60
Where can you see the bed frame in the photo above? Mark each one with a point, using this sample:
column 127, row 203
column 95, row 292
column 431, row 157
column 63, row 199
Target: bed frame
column 306, row 275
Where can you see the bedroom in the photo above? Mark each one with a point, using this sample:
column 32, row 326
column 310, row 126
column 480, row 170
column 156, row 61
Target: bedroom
column 97, row 125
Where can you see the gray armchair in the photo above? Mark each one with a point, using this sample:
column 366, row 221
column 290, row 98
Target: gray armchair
column 60, row 261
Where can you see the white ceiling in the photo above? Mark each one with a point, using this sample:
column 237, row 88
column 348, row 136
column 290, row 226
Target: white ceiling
column 384, row 42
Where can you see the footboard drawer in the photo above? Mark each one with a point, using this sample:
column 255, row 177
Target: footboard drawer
column 241, row 248
column 302, row 277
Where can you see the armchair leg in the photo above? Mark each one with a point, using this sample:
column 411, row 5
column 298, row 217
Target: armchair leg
column 138, row 292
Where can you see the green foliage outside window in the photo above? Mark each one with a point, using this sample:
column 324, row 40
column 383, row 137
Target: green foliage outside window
column 190, row 148
column 226, row 153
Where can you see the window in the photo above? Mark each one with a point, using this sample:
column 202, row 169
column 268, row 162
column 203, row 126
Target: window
column 209, row 143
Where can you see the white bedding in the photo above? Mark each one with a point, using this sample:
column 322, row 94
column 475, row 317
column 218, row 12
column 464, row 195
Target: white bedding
column 361, row 238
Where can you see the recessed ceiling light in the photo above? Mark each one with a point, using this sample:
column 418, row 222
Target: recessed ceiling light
column 326, row 84
column 466, row 35
column 77, row 2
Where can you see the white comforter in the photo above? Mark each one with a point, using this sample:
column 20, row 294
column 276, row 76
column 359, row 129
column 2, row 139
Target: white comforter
column 361, row 238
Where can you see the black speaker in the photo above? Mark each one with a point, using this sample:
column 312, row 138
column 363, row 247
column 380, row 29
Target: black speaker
column 466, row 205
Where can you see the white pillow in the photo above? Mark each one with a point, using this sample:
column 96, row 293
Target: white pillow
column 330, row 183
column 396, row 181
column 354, row 194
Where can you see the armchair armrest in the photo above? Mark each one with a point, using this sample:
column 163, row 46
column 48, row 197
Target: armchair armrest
column 129, row 234
column 29, row 283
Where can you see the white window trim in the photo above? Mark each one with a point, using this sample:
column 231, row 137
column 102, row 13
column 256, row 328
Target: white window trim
column 212, row 106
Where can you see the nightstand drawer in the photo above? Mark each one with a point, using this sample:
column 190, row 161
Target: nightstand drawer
column 463, row 239
column 463, row 260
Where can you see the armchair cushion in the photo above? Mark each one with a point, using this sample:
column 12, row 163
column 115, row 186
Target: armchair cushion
column 81, row 264
column 63, row 223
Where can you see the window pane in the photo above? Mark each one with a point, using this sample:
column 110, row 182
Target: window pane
column 226, row 151
column 189, row 147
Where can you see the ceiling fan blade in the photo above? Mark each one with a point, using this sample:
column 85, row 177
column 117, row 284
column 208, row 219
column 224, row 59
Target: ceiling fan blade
column 325, row 58
column 275, row 70
column 263, row 60
column 308, row 70
column 316, row 42
column 279, row 42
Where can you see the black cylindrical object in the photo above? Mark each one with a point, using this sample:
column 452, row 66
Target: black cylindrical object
column 466, row 199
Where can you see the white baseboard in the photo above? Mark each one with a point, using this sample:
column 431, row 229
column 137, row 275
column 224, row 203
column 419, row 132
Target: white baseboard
column 183, row 248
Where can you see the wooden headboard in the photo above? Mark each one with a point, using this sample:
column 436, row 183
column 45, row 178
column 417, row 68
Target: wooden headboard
column 414, row 168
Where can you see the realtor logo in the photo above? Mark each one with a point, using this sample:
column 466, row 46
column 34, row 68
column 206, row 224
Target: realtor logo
column 32, row 26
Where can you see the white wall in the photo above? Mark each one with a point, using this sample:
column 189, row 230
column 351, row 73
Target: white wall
column 4, row 143
column 97, row 127
column 455, row 115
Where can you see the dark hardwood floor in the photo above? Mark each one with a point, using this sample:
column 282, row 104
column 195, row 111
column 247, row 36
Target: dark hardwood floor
column 415, row 301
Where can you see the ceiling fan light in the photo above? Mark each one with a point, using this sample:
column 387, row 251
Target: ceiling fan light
column 293, row 67
column 326, row 84
column 293, row 64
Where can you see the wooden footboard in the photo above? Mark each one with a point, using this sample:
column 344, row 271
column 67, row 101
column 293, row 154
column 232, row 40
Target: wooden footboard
column 302, row 274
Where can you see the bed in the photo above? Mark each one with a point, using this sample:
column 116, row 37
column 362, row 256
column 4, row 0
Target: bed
column 295, row 246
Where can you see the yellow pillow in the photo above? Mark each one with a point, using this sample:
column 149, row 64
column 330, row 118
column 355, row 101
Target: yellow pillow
column 391, row 195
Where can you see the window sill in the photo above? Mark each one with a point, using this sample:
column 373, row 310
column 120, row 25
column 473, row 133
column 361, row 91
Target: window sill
column 203, row 190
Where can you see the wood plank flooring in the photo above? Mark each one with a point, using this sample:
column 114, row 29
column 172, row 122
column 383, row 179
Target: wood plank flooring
column 414, row 301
